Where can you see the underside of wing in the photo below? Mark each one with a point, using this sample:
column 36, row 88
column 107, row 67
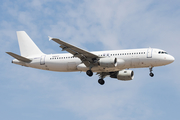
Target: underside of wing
column 86, row 57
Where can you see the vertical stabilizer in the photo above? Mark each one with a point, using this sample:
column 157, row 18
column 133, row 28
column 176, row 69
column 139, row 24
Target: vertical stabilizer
column 26, row 45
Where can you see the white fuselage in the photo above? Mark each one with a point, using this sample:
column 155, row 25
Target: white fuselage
column 132, row 58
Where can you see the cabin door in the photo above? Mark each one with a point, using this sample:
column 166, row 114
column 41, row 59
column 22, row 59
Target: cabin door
column 42, row 60
column 149, row 52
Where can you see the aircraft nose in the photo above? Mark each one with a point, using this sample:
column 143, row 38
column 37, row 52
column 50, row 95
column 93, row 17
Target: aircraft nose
column 171, row 58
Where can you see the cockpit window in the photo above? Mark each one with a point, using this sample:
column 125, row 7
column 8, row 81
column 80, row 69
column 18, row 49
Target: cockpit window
column 162, row 52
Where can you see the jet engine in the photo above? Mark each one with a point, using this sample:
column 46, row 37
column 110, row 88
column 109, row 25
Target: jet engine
column 108, row 62
column 124, row 75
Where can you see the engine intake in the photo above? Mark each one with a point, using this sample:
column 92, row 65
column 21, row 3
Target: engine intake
column 108, row 62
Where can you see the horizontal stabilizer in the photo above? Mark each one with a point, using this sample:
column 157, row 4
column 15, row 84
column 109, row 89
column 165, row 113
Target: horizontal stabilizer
column 18, row 57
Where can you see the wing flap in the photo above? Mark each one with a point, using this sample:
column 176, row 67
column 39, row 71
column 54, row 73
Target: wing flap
column 18, row 57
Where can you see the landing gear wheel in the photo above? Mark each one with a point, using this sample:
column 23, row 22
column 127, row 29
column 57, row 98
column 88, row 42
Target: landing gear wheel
column 89, row 73
column 151, row 74
column 101, row 81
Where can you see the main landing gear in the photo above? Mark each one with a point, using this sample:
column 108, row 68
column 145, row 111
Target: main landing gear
column 101, row 81
column 102, row 75
column 89, row 73
column 151, row 74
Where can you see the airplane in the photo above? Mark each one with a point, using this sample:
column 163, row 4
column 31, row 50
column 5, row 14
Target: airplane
column 113, row 63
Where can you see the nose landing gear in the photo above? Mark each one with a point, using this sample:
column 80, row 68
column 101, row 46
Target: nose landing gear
column 151, row 74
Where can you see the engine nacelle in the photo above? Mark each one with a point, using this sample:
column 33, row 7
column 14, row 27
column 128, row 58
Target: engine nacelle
column 108, row 62
column 125, row 75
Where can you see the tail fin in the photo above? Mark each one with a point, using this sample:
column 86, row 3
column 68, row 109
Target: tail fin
column 26, row 45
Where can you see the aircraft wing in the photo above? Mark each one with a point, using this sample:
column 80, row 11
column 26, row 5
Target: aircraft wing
column 85, row 56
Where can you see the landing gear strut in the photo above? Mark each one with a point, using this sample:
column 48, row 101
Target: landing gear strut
column 151, row 74
column 89, row 73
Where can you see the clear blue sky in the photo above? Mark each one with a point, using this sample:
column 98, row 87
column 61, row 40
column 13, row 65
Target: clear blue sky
column 32, row 94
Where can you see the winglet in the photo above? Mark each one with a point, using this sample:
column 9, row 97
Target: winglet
column 50, row 38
